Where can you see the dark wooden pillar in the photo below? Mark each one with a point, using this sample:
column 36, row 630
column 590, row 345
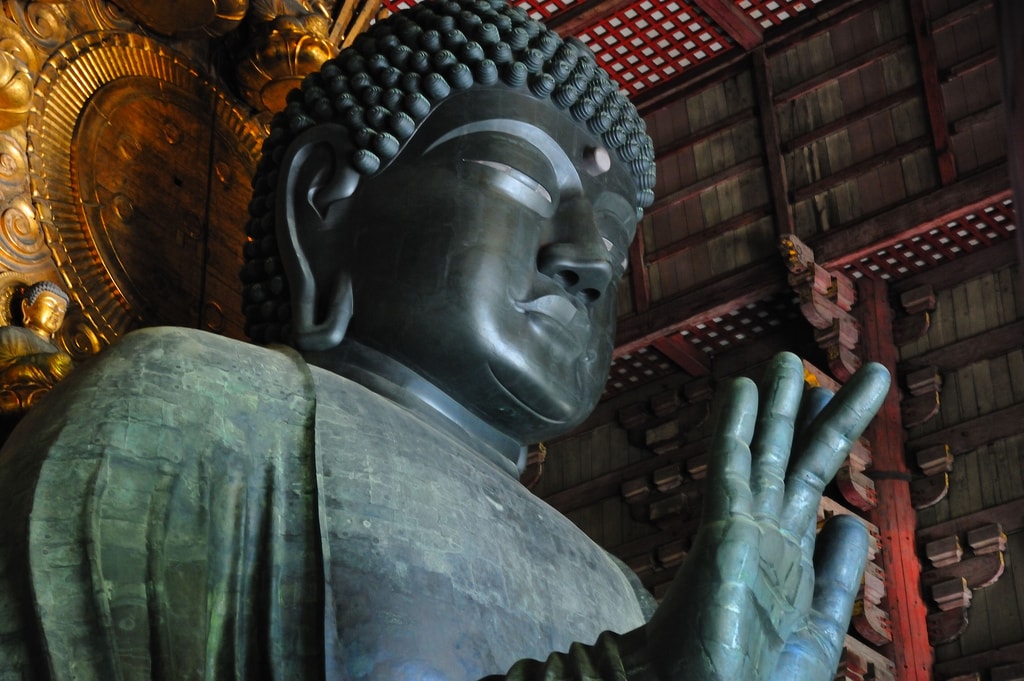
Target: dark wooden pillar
column 1010, row 14
column 894, row 515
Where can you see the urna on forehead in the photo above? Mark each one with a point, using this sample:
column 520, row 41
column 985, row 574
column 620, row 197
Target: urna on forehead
column 396, row 74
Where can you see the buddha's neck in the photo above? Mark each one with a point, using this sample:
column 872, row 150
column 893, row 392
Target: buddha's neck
column 397, row 382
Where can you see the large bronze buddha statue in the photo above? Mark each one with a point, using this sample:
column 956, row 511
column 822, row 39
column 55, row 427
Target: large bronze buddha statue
column 439, row 225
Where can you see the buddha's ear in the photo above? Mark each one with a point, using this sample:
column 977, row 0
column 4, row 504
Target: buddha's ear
column 314, row 186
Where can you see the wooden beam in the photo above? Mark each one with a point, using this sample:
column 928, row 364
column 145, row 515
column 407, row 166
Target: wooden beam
column 1010, row 515
column 955, row 272
column 750, row 284
column 733, row 21
column 989, row 114
column 696, row 188
column 681, row 351
column 822, row 18
column 857, row 169
column 693, row 80
column 1010, row 19
column 639, row 276
column 969, row 435
column 894, row 515
column 929, row 70
column 686, row 243
column 849, row 244
column 1008, row 654
column 953, row 18
column 849, row 66
column 607, row 485
column 836, row 248
column 992, row 343
column 580, row 16
column 778, row 180
column 714, row 129
column 807, row 25
column 961, row 69
column 883, row 104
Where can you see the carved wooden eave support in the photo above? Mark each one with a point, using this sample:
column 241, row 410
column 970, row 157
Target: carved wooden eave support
column 826, row 299
column 953, row 578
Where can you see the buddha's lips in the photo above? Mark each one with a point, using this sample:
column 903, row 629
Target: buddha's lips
column 557, row 307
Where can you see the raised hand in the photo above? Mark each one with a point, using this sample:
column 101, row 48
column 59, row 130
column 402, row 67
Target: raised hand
column 753, row 600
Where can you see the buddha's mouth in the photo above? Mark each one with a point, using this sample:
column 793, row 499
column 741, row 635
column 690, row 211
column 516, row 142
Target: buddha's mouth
column 554, row 306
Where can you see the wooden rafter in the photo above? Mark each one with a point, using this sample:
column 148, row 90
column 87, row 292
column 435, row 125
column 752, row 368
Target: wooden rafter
column 749, row 285
column 777, row 178
column 969, row 435
column 639, row 276
column 582, row 15
column 857, row 169
column 681, row 351
column 847, row 245
column 992, row 343
column 928, row 63
column 724, row 227
column 736, row 23
column 857, row 63
column 835, row 249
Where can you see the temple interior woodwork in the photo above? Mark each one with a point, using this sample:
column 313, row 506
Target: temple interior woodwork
column 834, row 179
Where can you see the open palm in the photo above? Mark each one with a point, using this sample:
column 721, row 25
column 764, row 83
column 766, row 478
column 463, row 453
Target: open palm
column 754, row 598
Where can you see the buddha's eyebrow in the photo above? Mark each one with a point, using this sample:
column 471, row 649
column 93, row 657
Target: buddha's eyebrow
column 536, row 137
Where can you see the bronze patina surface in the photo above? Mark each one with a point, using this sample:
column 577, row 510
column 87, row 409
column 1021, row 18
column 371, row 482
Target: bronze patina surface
column 439, row 225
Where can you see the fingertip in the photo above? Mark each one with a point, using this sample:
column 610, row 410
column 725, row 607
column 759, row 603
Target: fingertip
column 737, row 409
column 841, row 550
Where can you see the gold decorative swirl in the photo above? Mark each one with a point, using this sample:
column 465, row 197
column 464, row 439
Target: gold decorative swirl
column 46, row 23
column 107, row 16
column 13, row 162
column 77, row 336
column 22, row 246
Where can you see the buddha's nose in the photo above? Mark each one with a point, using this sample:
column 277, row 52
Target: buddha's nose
column 579, row 268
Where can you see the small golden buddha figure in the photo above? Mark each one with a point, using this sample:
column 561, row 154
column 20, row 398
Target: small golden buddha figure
column 30, row 362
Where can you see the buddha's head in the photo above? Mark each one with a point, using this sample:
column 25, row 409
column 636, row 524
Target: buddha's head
column 458, row 191
column 43, row 309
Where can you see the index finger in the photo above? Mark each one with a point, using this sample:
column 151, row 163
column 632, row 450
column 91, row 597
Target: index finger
column 823, row 446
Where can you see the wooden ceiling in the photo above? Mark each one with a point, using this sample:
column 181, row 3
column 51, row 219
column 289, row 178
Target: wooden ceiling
column 872, row 130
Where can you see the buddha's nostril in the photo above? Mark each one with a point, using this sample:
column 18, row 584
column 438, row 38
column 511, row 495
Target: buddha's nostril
column 567, row 278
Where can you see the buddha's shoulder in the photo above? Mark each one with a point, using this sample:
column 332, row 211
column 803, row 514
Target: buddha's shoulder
column 175, row 377
column 149, row 361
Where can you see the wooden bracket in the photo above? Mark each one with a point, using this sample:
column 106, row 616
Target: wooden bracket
column 826, row 299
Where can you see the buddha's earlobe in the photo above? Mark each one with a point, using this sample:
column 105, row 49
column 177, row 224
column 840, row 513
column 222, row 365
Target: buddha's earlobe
column 315, row 184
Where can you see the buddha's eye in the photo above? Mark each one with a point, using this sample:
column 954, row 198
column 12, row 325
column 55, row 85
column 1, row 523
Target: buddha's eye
column 517, row 175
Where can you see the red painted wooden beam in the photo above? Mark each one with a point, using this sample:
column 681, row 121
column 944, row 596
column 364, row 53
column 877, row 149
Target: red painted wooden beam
column 734, row 21
column 681, row 351
column 894, row 515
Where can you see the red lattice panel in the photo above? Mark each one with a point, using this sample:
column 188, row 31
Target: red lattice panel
column 770, row 13
column 630, row 371
column 741, row 326
column 938, row 245
column 653, row 41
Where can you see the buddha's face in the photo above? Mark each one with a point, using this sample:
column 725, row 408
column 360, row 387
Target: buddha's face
column 45, row 314
column 487, row 258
